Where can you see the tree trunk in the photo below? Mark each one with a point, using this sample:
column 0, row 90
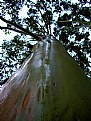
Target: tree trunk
column 50, row 86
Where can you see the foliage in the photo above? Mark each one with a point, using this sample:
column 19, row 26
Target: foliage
column 14, row 54
column 66, row 21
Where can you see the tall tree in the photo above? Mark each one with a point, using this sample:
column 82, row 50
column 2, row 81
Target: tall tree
column 50, row 85
column 68, row 22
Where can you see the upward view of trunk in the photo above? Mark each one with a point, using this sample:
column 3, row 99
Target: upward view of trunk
column 50, row 86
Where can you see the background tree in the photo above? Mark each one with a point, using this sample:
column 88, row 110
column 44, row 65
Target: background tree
column 68, row 22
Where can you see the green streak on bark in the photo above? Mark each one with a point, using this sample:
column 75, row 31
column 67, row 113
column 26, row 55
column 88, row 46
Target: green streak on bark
column 55, row 88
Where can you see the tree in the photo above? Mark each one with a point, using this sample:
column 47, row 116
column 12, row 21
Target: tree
column 68, row 22
column 49, row 85
column 76, row 16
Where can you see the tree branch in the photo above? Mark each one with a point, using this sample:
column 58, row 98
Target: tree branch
column 76, row 21
column 13, row 30
column 82, row 22
column 46, row 26
column 21, row 28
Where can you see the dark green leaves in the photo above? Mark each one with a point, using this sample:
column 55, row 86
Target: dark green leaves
column 14, row 54
column 70, row 22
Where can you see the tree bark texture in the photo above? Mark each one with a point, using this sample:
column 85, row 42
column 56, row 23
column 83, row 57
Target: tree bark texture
column 50, row 86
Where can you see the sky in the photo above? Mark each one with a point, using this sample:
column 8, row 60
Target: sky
column 21, row 13
column 8, row 37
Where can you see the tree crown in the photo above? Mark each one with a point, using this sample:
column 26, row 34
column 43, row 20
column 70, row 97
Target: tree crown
column 66, row 21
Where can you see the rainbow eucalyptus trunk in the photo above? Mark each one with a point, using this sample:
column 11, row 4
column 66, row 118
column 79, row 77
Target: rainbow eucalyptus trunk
column 50, row 86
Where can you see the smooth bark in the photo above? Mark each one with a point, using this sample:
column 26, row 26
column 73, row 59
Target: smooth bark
column 50, row 86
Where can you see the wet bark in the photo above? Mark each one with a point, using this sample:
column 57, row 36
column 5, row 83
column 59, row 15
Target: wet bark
column 50, row 86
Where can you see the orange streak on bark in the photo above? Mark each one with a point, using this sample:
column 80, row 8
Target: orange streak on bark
column 22, row 86
column 8, row 107
column 26, row 99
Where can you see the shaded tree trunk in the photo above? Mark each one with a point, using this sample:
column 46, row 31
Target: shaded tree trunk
column 50, row 86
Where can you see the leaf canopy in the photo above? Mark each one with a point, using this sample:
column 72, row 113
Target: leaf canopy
column 66, row 21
